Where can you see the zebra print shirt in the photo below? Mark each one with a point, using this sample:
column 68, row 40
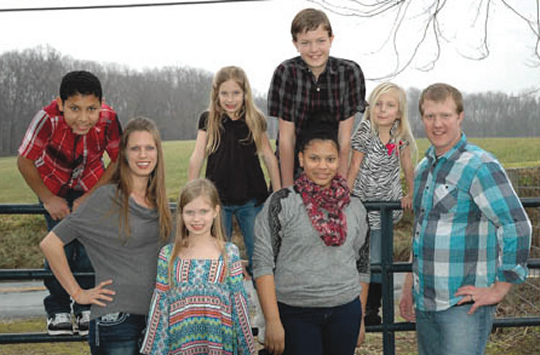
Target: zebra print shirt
column 379, row 175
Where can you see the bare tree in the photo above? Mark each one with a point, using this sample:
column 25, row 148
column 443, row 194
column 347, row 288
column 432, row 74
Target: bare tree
column 416, row 30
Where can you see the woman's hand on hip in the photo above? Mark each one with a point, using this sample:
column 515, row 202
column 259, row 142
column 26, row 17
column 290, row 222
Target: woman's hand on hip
column 97, row 295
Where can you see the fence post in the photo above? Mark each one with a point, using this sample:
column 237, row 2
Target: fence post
column 387, row 252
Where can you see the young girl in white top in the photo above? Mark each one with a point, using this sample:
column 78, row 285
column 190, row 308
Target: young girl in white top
column 381, row 144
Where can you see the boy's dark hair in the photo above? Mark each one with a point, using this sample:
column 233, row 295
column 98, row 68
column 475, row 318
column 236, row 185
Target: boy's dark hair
column 318, row 126
column 310, row 20
column 80, row 82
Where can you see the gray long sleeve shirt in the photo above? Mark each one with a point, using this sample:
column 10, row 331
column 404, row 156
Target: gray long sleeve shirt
column 307, row 273
column 131, row 263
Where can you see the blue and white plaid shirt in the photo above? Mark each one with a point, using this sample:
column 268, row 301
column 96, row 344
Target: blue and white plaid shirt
column 470, row 227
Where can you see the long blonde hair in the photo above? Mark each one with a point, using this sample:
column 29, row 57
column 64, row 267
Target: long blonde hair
column 255, row 119
column 192, row 190
column 156, row 193
column 403, row 131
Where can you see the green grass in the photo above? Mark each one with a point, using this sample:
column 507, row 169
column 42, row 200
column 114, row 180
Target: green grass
column 177, row 153
column 512, row 152
column 37, row 325
column 12, row 184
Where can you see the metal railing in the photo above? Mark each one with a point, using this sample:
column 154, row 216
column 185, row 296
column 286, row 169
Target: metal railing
column 387, row 268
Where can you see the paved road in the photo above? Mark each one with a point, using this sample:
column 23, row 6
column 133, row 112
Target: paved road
column 21, row 300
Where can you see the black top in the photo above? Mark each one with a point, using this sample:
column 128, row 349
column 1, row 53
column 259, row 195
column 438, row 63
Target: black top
column 234, row 167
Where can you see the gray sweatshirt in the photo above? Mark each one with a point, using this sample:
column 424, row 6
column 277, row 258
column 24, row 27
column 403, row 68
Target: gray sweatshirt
column 307, row 273
column 131, row 263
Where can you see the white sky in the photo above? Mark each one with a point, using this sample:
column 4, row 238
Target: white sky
column 255, row 36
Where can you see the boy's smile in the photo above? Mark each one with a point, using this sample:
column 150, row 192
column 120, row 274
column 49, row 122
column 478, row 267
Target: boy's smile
column 81, row 112
column 314, row 48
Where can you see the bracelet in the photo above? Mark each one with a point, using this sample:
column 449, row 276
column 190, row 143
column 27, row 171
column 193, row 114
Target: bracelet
column 77, row 294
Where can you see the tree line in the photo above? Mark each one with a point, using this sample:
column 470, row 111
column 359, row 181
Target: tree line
column 175, row 96
column 488, row 114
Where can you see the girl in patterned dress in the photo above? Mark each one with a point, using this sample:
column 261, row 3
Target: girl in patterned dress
column 382, row 142
column 199, row 304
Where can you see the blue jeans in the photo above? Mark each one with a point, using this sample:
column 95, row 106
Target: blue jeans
column 58, row 300
column 318, row 331
column 453, row 331
column 116, row 334
column 245, row 216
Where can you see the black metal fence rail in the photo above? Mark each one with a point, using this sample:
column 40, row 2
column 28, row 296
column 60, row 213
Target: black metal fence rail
column 387, row 268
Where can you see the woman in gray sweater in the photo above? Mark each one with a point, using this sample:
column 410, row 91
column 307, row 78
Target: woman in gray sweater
column 311, row 258
column 122, row 226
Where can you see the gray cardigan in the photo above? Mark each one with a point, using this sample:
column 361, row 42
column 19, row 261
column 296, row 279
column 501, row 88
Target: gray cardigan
column 131, row 263
column 307, row 272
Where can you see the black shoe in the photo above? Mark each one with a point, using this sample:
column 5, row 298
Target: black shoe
column 372, row 319
column 373, row 304
column 60, row 324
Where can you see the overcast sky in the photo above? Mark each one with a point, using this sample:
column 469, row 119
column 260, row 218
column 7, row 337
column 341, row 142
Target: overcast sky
column 255, row 36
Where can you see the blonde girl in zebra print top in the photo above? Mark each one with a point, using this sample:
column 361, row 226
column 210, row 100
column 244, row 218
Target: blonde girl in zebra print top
column 382, row 144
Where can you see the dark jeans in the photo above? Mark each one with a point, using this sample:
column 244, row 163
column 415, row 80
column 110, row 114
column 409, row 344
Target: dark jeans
column 116, row 334
column 58, row 300
column 318, row 331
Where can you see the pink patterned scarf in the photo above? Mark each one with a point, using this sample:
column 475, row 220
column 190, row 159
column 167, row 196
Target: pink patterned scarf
column 325, row 207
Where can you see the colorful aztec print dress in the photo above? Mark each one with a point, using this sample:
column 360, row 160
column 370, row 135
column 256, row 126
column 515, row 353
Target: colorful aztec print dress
column 204, row 312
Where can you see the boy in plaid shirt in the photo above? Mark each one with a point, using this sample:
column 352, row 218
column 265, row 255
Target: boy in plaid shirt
column 312, row 83
column 61, row 159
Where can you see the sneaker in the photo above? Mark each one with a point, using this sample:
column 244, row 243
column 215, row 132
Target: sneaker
column 256, row 312
column 83, row 322
column 261, row 333
column 60, row 324
column 372, row 319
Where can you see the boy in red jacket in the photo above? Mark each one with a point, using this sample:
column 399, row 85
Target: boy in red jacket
column 61, row 159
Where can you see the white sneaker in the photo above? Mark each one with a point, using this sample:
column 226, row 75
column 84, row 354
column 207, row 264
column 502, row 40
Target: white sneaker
column 83, row 323
column 60, row 324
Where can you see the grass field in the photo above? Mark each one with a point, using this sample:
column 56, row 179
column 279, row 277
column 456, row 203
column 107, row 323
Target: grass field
column 512, row 152
column 177, row 153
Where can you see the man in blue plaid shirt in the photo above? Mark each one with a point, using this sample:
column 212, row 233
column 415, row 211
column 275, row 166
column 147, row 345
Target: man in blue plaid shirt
column 471, row 237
